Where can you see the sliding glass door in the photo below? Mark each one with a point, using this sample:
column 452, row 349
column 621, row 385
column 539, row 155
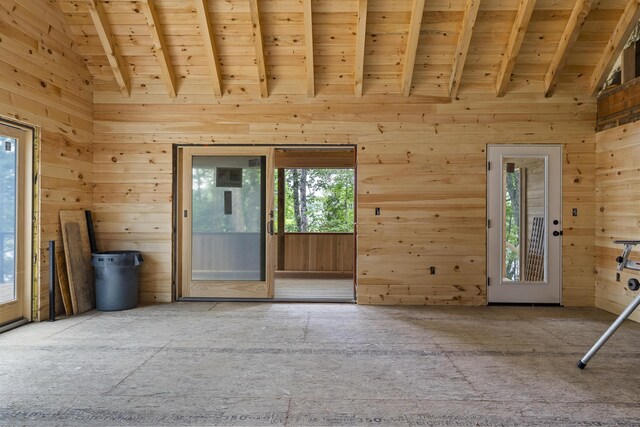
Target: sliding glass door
column 15, row 211
column 226, row 222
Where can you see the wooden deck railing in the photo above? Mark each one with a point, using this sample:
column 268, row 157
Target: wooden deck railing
column 317, row 252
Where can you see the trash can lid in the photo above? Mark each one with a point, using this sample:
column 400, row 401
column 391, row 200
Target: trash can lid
column 116, row 258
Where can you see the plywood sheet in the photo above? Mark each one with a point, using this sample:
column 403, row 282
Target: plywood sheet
column 78, row 260
column 63, row 283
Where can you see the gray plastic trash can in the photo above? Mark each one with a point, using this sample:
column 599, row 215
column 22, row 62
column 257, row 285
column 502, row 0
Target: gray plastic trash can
column 116, row 279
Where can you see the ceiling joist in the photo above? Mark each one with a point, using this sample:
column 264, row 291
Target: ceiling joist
column 621, row 33
column 523, row 16
column 160, row 46
column 103, row 27
column 308, row 42
column 361, row 34
column 412, row 45
column 462, row 48
column 209, row 45
column 569, row 37
column 258, row 42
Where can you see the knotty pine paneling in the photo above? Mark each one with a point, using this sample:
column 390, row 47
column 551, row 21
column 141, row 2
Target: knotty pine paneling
column 43, row 82
column 421, row 162
column 618, row 212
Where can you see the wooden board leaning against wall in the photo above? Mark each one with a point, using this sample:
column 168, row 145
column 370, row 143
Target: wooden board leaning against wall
column 618, row 212
column 423, row 164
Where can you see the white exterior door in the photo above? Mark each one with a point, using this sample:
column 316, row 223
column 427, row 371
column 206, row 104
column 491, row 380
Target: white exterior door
column 524, row 234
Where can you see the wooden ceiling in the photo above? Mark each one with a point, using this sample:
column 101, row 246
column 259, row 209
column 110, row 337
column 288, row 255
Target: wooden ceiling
column 205, row 49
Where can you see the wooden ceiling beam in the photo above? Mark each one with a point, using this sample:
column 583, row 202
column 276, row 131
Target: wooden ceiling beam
column 523, row 16
column 258, row 42
column 569, row 37
column 621, row 33
column 361, row 34
column 160, row 46
column 202, row 11
column 464, row 40
column 412, row 45
column 308, row 41
column 108, row 41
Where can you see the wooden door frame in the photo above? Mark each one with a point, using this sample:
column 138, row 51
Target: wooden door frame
column 176, row 185
column 25, row 308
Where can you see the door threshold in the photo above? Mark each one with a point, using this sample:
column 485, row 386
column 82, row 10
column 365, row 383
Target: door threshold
column 13, row 325
column 524, row 304
column 283, row 300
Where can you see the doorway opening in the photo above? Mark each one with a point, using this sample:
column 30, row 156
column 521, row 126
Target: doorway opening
column 315, row 193
column 263, row 223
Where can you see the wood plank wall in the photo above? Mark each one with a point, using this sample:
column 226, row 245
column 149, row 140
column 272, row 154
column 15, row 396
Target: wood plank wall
column 44, row 82
column 618, row 212
column 422, row 163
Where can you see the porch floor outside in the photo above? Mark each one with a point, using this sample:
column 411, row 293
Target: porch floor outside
column 334, row 289
column 320, row 364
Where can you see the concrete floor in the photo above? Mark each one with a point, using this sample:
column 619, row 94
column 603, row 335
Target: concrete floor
column 322, row 364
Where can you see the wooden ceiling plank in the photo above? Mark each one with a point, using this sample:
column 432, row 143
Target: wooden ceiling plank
column 202, row 12
column 569, row 37
column 412, row 45
column 621, row 33
column 160, row 46
column 361, row 33
column 308, row 41
column 105, row 34
column 462, row 48
column 523, row 16
column 259, row 44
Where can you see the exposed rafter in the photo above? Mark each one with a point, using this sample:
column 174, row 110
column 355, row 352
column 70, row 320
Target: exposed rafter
column 160, row 46
column 361, row 34
column 209, row 44
column 466, row 31
column 621, row 33
column 569, row 37
column 103, row 27
column 412, row 45
column 258, row 42
column 308, row 41
column 523, row 16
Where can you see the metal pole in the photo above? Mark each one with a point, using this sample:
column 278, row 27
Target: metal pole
column 603, row 339
column 52, row 280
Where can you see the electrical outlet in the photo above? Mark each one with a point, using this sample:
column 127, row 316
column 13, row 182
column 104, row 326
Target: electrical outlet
column 433, row 270
column 574, row 211
column 377, row 211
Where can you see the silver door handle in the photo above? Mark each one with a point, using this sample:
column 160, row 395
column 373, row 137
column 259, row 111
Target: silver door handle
column 270, row 227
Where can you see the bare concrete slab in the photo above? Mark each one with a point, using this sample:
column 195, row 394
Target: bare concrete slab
column 320, row 364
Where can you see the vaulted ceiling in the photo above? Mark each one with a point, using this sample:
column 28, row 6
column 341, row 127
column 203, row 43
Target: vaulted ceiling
column 424, row 48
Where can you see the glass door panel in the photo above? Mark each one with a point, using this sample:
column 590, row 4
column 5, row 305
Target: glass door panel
column 8, row 235
column 524, row 218
column 228, row 210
